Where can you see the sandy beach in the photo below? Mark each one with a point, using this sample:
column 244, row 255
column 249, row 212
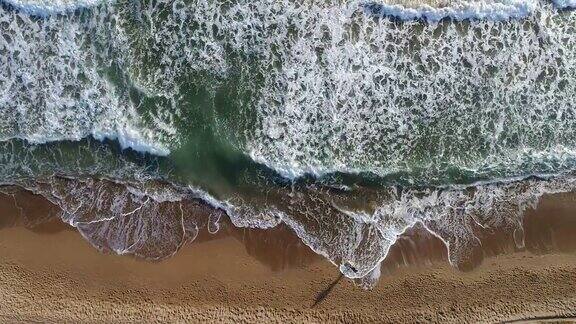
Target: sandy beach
column 51, row 274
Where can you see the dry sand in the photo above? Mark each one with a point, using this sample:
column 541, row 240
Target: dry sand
column 50, row 274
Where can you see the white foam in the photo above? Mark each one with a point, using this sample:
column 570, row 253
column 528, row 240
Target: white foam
column 356, row 94
column 53, row 85
column 50, row 7
column 565, row 3
column 359, row 244
column 149, row 219
column 456, row 9
column 131, row 138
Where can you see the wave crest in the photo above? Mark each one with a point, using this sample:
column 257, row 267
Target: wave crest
column 457, row 10
column 51, row 7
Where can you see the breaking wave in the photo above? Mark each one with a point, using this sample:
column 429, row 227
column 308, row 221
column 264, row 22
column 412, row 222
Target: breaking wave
column 565, row 3
column 457, row 10
column 51, row 7
column 153, row 220
column 126, row 207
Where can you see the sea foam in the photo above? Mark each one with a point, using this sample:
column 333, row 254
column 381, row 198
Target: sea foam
column 129, row 138
column 565, row 3
column 133, row 211
column 50, row 7
column 457, row 9
column 356, row 94
column 54, row 85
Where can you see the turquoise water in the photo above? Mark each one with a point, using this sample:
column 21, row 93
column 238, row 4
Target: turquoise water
column 348, row 121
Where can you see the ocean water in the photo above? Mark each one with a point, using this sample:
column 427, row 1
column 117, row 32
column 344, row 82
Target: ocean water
column 348, row 121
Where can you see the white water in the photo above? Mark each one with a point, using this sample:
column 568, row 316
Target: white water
column 153, row 220
column 319, row 113
column 53, row 86
column 356, row 94
column 50, row 7
column 565, row 3
column 454, row 9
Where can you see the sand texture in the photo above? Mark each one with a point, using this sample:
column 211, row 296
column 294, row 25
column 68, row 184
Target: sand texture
column 59, row 277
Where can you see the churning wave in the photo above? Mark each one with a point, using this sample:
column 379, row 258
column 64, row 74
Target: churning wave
column 125, row 207
column 154, row 219
column 431, row 10
column 51, row 7
column 444, row 121
column 565, row 3
column 306, row 129
column 457, row 10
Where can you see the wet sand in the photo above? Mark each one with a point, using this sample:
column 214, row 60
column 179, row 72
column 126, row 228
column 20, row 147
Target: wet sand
column 51, row 274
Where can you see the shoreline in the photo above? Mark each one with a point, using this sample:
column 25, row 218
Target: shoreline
column 52, row 274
